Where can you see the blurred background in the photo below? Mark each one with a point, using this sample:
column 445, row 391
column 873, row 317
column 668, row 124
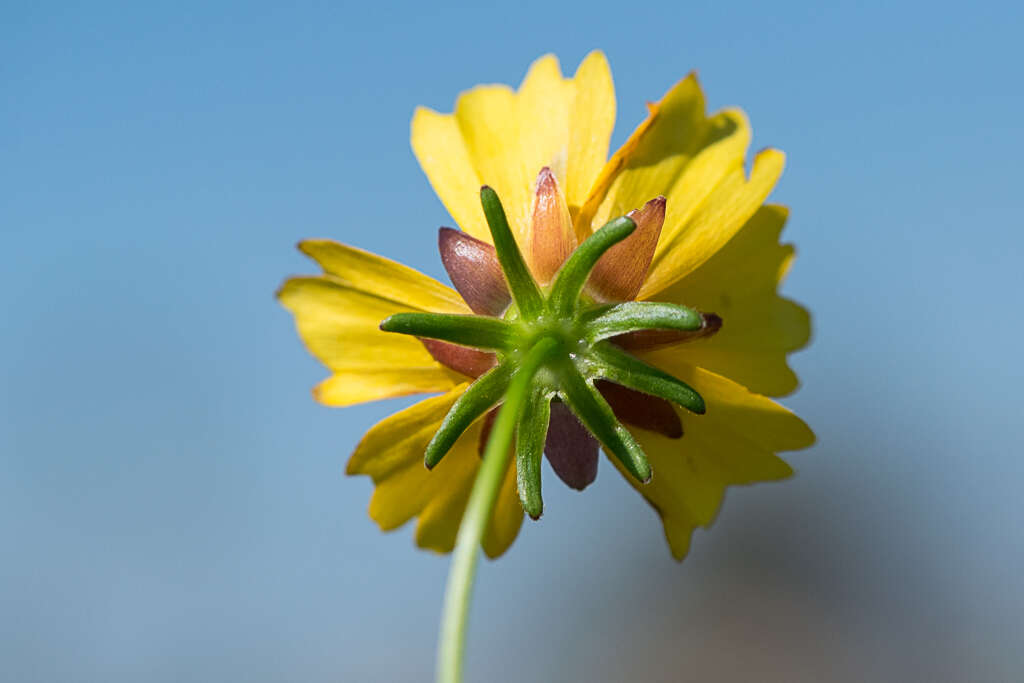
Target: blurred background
column 172, row 505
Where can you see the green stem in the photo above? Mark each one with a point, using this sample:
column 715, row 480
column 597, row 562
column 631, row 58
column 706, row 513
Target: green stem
column 478, row 512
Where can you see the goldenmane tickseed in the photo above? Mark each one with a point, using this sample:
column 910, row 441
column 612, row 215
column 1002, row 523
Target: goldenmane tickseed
column 627, row 304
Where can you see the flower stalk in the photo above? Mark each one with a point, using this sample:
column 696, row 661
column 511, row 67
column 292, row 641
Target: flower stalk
column 492, row 470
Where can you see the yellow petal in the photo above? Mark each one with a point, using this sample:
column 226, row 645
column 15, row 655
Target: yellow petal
column 339, row 325
column 678, row 123
column 697, row 163
column 507, row 517
column 438, row 145
column 400, row 439
column 502, row 138
column 760, row 328
column 733, row 443
column 753, row 417
column 713, row 220
column 591, row 121
column 383, row 277
column 391, row 453
column 439, row 522
column 348, row 387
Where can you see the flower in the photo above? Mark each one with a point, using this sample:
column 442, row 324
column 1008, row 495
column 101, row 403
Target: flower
column 698, row 237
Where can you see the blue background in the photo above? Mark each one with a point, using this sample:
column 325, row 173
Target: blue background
column 172, row 506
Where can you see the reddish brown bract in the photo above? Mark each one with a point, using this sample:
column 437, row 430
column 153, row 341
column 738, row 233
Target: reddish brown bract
column 473, row 268
column 620, row 273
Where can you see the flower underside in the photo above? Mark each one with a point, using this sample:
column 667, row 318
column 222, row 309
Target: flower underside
column 575, row 304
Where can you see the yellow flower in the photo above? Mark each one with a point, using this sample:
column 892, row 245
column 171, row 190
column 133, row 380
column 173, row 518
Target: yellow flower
column 707, row 241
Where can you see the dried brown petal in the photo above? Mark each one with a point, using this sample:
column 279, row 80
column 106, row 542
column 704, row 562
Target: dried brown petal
column 473, row 268
column 620, row 273
column 650, row 339
column 641, row 410
column 570, row 448
column 553, row 236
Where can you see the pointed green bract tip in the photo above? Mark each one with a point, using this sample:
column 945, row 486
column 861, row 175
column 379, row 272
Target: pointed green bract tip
column 640, row 316
column 533, row 505
column 481, row 396
column 645, row 473
column 521, row 284
column 531, row 433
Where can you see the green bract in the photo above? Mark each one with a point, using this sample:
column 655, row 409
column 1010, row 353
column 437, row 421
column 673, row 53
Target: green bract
column 566, row 338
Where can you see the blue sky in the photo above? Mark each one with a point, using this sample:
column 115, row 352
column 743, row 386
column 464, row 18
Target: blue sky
column 171, row 500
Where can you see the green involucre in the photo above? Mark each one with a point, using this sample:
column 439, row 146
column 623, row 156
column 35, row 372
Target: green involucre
column 558, row 345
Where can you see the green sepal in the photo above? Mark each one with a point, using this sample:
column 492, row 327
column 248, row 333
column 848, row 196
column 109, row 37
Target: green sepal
column 597, row 416
column 531, row 434
column 565, row 292
column 521, row 284
column 609, row 362
column 633, row 316
column 478, row 331
column 479, row 397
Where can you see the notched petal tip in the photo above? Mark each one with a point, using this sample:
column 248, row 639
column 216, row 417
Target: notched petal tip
column 474, row 270
column 622, row 270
